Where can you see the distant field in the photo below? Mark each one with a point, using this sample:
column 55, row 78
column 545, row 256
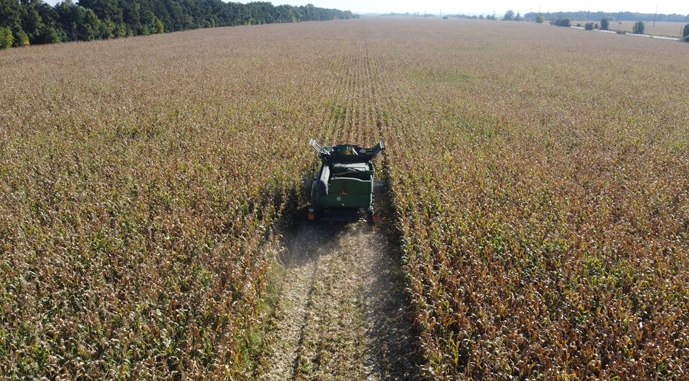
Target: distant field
column 669, row 29
column 538, row 177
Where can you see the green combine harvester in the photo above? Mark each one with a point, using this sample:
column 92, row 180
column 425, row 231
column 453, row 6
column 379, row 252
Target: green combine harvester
column 343, row 189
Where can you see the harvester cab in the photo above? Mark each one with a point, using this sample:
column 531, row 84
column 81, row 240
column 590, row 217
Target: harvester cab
column 343, row 188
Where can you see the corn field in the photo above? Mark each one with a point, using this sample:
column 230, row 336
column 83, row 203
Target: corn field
column 538, row 180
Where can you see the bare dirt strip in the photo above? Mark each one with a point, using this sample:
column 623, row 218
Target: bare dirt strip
column 341, row 313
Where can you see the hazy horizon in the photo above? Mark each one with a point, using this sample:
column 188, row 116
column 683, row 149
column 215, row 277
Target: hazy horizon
column 498, row 7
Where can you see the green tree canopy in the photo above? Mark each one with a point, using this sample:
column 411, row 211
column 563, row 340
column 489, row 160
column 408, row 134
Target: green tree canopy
column 604, row 23
column 639, row 27
column 6, row 38
column 35, row 22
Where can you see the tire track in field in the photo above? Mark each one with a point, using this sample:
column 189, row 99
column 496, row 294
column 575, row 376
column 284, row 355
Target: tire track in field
column 341, row 312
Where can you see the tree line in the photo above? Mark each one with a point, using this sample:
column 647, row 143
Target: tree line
column 612, row 16
column 27, row 22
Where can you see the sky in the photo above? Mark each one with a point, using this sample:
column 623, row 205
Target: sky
column 485, row 7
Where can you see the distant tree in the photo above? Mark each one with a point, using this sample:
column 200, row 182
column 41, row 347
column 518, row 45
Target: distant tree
column 588, row 26
column 509, row 16
column 36, row 22
column 104, row 9
column 561, row 21
column 540, row 19
column 11, row 12
column 639, row 27
column 518, row 17
column 685, row 33
column 78, row 23
column 22, row 39
column 596, row 26
column 604, row 23
column 159, row 27
column 40, row 22
column 6, row 38
column 480, row 17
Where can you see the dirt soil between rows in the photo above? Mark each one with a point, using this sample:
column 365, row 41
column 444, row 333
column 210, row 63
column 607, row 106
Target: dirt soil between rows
column 341, row 312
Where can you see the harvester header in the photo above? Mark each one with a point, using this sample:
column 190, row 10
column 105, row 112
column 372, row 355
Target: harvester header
column 346, row 153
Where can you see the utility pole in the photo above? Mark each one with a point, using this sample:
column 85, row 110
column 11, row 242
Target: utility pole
column 654, row 16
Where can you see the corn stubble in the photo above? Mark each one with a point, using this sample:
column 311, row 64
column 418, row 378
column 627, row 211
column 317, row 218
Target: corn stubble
column 539, row 181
